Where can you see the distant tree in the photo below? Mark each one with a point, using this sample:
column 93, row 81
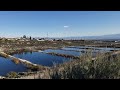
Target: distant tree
column 24, row 36
column 34, row 39
column 30, row 38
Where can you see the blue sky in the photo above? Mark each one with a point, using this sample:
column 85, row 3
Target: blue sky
column 58, row 23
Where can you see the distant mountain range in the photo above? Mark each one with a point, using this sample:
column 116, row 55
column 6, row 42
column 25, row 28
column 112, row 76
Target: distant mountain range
column 102, row 37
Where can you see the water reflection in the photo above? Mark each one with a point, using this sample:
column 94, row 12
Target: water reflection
column 7, row 65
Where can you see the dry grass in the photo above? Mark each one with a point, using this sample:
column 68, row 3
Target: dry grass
column 16, row 61
column 104, row 67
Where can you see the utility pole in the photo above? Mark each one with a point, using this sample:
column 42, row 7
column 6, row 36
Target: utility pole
column 47, row 34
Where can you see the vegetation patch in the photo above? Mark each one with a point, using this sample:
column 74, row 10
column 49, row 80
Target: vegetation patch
column 12, row 75
column 63, row 55
column 16, row 61
column 86, row 68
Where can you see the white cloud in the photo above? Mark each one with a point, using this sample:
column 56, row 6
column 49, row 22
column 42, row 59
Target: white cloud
column 66, row 26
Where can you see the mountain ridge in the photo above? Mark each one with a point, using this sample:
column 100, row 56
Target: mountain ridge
column 109, row 36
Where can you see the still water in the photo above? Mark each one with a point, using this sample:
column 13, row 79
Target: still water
column 7, row 65
column 41, row 58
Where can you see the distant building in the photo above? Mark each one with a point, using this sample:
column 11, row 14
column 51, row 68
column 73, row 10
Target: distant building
column 40, row 40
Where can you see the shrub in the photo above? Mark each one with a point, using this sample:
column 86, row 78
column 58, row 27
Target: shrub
column 12, row 74
column 33, row 68
column 104, row 67
column 16, row 61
